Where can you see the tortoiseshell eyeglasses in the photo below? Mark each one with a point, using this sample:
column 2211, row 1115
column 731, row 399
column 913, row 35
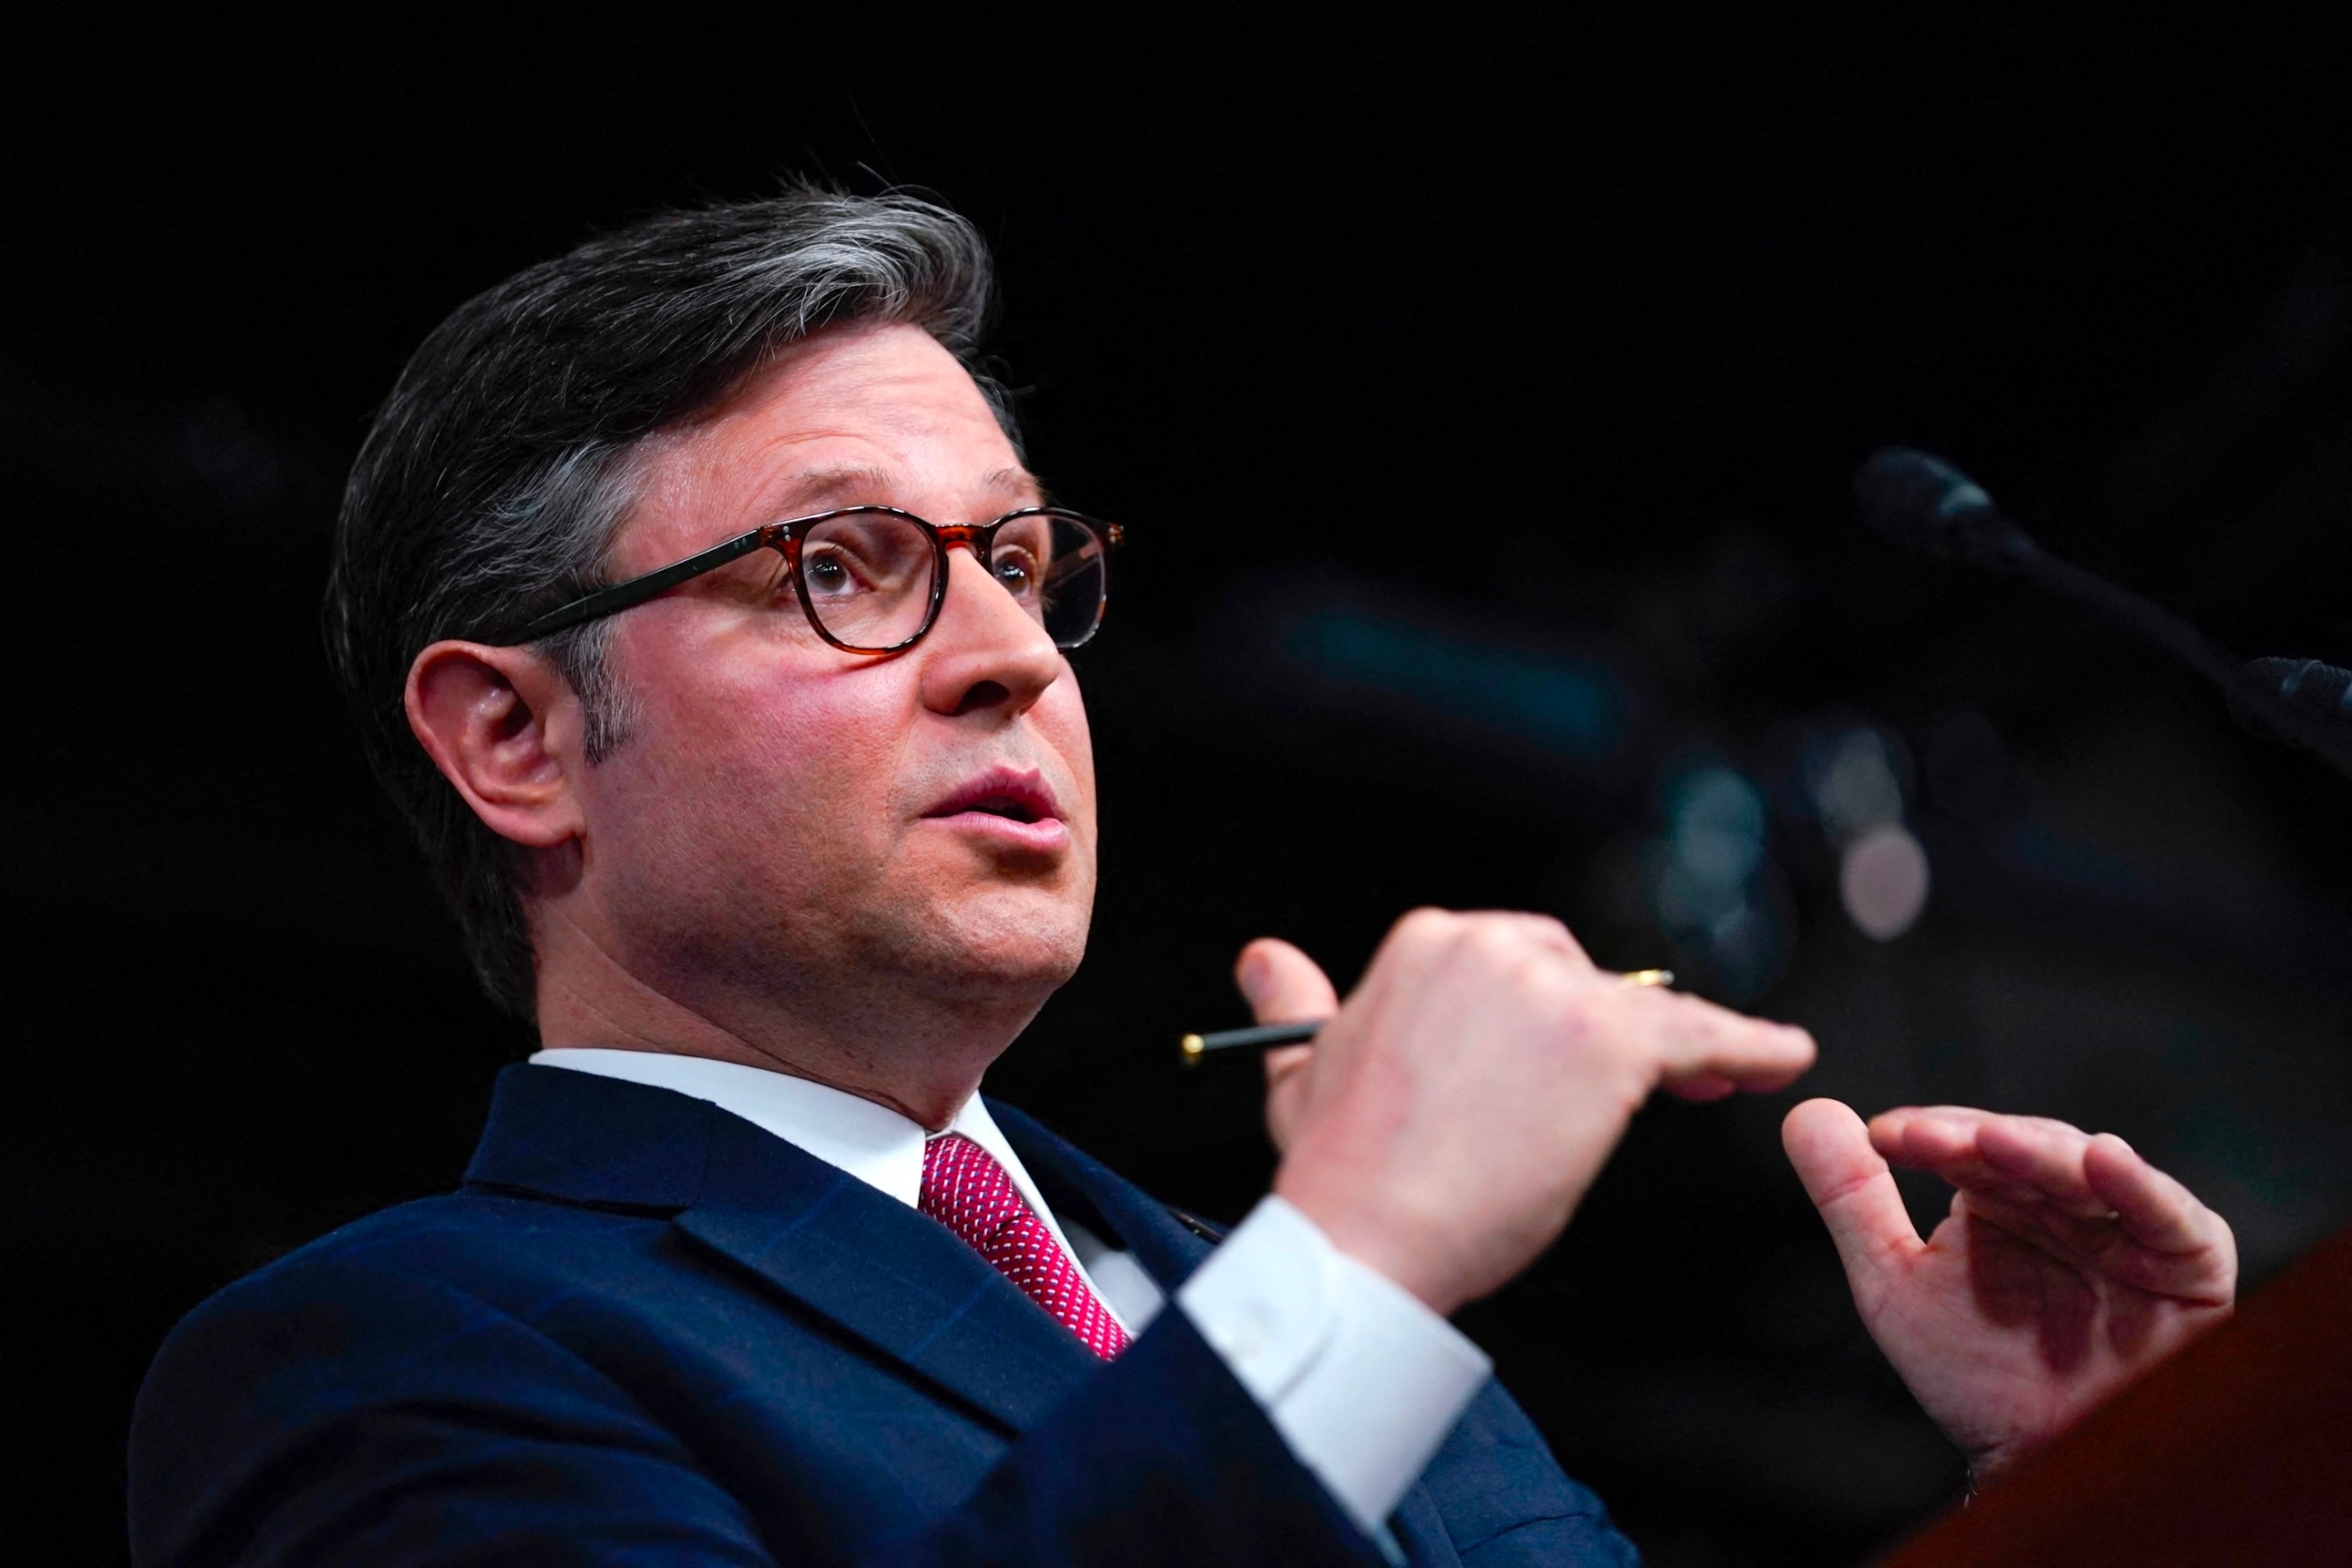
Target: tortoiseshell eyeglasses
column 871, row 578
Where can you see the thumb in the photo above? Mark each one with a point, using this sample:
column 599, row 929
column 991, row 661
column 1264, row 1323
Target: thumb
column 1850, row 1186
column 1283, row 984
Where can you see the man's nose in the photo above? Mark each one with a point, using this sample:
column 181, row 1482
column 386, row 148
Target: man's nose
column 985, row 651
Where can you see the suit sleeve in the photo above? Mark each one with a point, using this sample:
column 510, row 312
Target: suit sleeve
column 330, row 1416
column 1502, row 1501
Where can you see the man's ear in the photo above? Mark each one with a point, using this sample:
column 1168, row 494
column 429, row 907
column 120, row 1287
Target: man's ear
column 503, row 727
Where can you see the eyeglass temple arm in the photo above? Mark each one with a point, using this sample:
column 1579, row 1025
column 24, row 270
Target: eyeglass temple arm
column 638, row 590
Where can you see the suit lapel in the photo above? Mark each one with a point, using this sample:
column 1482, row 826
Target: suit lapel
column 876, row 1269
column 894, row 1279
column 1169, row 1248
column 867, row 1264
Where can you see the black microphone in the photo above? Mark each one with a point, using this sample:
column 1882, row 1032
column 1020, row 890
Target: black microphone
column 2307, row 684
column 1925, row 502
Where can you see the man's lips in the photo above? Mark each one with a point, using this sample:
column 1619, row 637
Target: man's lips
column 1013, row 806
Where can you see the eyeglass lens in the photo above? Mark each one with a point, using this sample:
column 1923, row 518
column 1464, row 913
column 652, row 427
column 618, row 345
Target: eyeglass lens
column 868, row 576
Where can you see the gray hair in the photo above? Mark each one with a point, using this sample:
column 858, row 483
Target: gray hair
column 496, row 475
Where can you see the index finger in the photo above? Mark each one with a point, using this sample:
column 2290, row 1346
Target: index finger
column 1694, row 1040
column 2157, row 1210
column 2024, row 1159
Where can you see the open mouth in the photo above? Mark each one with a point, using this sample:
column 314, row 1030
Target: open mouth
column 1005, row 794
column 1004, row 806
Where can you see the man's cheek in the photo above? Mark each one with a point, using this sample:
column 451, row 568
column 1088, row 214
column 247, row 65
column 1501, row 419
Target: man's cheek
column 1064, row 723
column 820, row 782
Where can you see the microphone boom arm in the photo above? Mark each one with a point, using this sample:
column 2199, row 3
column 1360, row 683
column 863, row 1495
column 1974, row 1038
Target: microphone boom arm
column 1921, row 501
column 2152, row 622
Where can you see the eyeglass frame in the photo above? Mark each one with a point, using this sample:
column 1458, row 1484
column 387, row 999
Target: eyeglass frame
column 782, row 537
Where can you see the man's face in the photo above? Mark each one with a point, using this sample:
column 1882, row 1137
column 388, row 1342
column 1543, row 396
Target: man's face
column 789, row 827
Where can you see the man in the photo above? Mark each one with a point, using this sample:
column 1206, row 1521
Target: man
column 771, row 802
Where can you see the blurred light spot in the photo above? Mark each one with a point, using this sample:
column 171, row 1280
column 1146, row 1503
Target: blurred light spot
column 1704, row 879
column 1856, row 783
column 1883, row 879
column 1716, row 828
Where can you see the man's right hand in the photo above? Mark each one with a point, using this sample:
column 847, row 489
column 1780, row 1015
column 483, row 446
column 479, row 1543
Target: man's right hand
column 1449, row 1118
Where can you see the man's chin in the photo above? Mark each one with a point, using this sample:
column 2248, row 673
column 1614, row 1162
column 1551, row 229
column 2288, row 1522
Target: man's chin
column 1015, row 943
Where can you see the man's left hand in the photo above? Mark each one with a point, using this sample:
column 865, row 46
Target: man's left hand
column 2068, row 1266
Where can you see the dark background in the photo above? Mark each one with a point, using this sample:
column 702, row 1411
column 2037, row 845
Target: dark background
column 1481, row 411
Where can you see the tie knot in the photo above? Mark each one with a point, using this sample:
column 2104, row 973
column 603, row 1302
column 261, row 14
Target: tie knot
column 966, row 1190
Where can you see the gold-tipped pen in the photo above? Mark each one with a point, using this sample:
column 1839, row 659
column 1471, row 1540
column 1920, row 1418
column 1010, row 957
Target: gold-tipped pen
column 1263, row 1037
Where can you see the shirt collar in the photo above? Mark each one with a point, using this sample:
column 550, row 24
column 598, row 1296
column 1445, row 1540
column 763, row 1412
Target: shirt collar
column 872, row 1142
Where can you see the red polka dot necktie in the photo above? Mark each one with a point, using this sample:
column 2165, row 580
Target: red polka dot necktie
column 967, row 1191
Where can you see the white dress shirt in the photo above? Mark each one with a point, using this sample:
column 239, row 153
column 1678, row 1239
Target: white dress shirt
column 1362, row 1381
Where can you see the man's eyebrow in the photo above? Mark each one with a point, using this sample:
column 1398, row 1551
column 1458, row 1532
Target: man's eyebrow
column 851, row 484
column 1019, row 484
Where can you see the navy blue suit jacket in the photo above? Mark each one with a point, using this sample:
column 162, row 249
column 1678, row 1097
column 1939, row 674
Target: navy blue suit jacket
column 646, row 1331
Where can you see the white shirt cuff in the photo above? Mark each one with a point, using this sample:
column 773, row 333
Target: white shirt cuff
column 1362, row 1379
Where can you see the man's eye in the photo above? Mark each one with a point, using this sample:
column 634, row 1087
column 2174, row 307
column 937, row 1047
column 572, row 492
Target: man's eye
column 1016, row 571
column 827, row 574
